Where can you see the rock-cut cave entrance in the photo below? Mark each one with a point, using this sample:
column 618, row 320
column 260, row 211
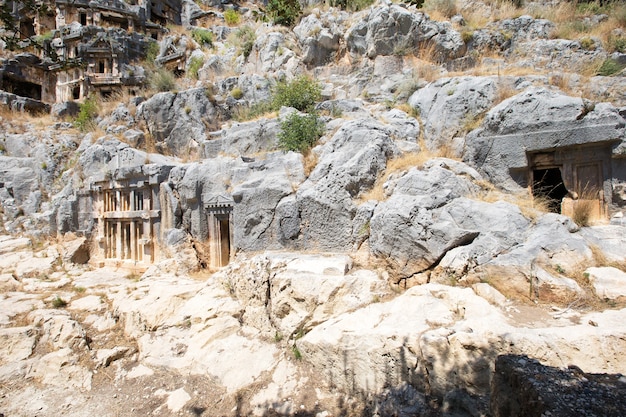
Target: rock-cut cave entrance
column 548, row 184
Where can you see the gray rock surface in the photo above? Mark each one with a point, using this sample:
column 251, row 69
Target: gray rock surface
column 348, row 165
column 533, row 120
column 387, row 27
column 179, row 122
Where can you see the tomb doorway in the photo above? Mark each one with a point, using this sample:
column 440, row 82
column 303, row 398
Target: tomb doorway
column 220, row 240
column 548, row 184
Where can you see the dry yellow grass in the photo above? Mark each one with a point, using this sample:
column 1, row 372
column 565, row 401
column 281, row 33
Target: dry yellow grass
column 310, row 162
column 530, row 207
column 402, row 163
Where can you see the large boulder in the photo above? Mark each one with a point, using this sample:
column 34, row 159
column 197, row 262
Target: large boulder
column 439, row 338
column 320, row 38
column 449, row 105
column 410, row 230
column 19, row 190
column 243, row 139
column 534, row 120
column 388, row 29
column 179, row 122
column 349, row 164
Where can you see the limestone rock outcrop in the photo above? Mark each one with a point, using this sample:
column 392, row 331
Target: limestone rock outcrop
column 386, row 27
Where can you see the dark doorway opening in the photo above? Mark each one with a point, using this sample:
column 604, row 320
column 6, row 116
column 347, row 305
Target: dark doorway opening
column 76, row 92
column 548, row 184
column 83, row 19
column 21, row 88
column 224, row 225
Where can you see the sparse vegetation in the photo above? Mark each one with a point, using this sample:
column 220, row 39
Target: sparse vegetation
column 445, row 8
column 284, row 12
column 243, row 39
column 237, row 93
column 152, row 51
column 162, row 80
column 351, row 5
column 610, row 67
column 296, row 352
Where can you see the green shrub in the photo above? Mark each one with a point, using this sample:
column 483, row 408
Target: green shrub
column 236, row 93
column 296, row 352
column 302, row 93
column 203, row 37
column 231, row 17
column 616, row 44
column 163, row 80
column 88, row 112
column 284, row 12
column 300, row 132
column 194, row 66
column 245, row 37
column 610, row 67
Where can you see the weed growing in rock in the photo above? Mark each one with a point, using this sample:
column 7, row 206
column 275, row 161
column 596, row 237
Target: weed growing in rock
column 296, row 352
column 203, row 37
column 231, row 17
column 259, row 109
column 447, row 8
column 244, row 39
column 237, row 93
column 88, row 112
column 300, row 132
column 58, row 302
column 151, row 51
column 610, row 67
column 162, row 80
column 194, row 66
column 351, row 5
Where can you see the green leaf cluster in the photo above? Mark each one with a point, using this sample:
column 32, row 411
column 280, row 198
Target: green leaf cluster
column 301, row 93
column 300, row 132
column 88, row 112
column 284, row 12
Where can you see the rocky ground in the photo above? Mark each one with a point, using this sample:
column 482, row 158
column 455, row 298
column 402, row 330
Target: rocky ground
column 275, row 333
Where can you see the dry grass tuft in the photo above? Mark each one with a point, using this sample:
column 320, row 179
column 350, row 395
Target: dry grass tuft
column 402, row 163
column 310, row 162
column 530, row 207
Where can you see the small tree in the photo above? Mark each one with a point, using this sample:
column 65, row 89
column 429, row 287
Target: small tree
column 300, row 132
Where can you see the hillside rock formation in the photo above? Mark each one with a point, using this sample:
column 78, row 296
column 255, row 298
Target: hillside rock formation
column 164, row 255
